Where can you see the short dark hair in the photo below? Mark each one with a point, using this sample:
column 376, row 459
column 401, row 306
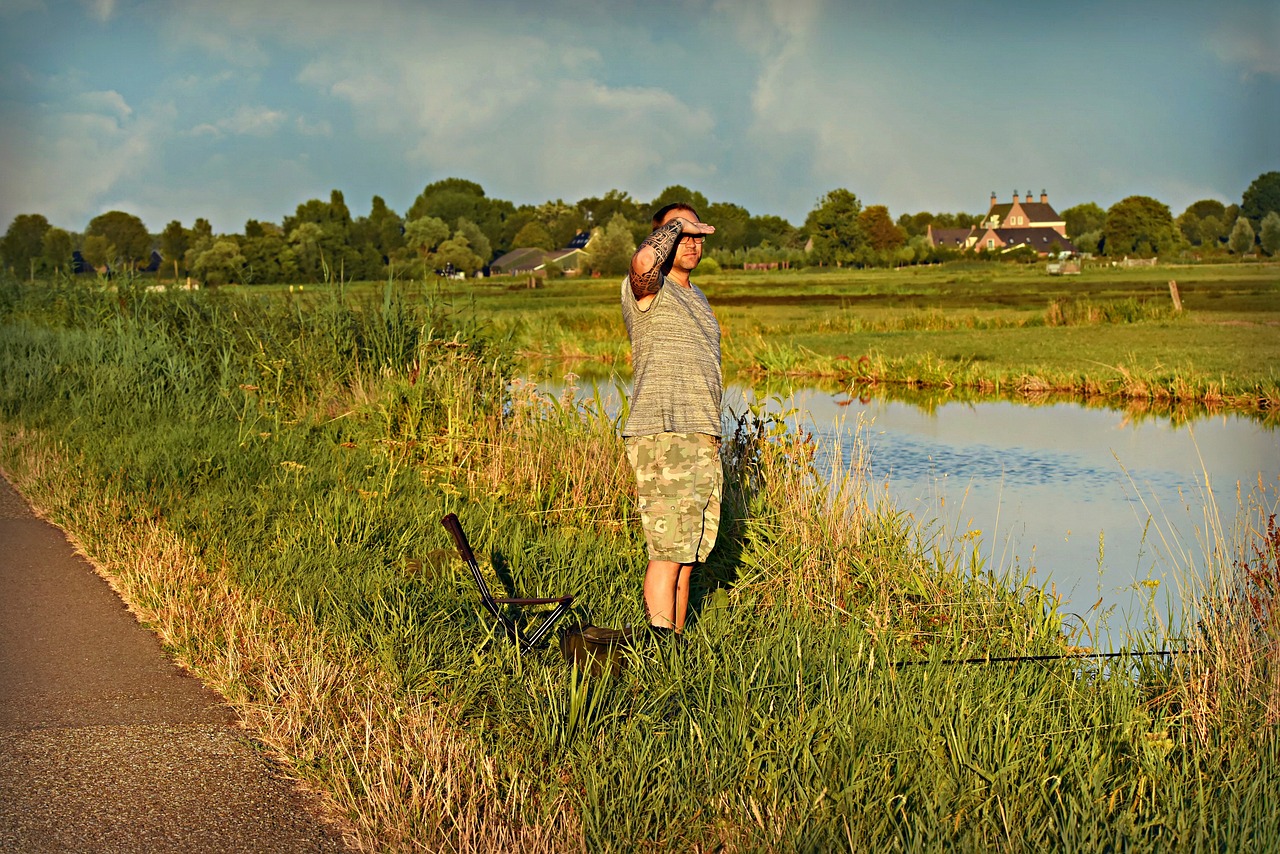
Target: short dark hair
column 661, row 212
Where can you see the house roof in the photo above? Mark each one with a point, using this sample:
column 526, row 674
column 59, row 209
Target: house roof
column 1039, row 239
column 524, row 258
column 949, row 236
column 1040, row 212
column 561, row 255
column 580, row 240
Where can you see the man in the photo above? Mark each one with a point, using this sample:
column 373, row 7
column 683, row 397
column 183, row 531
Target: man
column 672, row 434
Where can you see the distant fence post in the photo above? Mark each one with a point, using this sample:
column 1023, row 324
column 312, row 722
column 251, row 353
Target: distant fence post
column 1177, row 300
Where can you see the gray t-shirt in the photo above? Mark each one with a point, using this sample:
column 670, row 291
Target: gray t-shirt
column 675, row 355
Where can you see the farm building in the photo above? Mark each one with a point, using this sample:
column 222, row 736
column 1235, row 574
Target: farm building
column 530, row 259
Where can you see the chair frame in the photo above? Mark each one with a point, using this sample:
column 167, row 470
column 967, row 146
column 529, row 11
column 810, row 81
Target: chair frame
column 494, row 604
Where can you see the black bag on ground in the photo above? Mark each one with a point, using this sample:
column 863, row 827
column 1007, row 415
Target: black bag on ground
column 596, row 649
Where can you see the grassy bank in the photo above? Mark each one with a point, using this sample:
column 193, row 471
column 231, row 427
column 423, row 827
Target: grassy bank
column 262, row 479
column 997, row 329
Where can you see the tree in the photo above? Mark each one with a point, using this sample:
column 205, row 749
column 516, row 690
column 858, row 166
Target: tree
column 23, row 244
column 600, row 211
column 732, row 223
column 612, row 247
column 382, row 229
column 915, row 224
column 1262, row 197
column 1270, row 235
column 220, row 263
column 1191, row 222
column 833, row 228
column 200, row 230
column 126, row 233
column 879, row 229
column 1206, row 207
column 562, row 221
column 1211, row 230
column 333, row 219
column 331, row 213
column 957, row 220
column 456, row 252
column 1087, row 243
column 307, row 241
column 424, row 234
column 1242, row 237
column 56, row 250
column 267, row 255
column 534, row 234
column 97, row 252
column 677, row 193
column 476, row 240
column 1083, row 218
column 1139, row 225
column 199, row 239
column 173, row 243
column 453, row 199
column 773, row 230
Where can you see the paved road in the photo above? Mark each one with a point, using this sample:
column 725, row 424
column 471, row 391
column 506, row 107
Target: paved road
column 105, row 745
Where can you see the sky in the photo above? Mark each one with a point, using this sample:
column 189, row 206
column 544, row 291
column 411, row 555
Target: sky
column 234, row 109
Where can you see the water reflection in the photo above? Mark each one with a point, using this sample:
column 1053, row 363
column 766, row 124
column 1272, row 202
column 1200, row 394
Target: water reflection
column 1099, row 504
column 1106, row 506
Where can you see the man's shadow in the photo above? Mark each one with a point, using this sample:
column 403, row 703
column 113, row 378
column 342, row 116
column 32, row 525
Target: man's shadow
column 743, row 480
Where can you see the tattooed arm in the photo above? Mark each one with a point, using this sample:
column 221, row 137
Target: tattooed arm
column 648, row 263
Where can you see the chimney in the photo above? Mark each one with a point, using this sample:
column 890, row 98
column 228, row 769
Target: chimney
column 1044, row 197
column 1028, row 197
column 1015, row 197
column 993, row 199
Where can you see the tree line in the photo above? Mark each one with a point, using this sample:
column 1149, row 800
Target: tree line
column 453, row 224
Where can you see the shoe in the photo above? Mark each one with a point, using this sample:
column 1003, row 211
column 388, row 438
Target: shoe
column 666, row 635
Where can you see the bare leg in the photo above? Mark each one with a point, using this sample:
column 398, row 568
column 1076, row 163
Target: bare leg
column 660, row 592
column 682, row 595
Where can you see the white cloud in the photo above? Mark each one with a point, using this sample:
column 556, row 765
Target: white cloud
column 1250, row 41
column 66, row 160
column 245, row 121
column 768, row 103
column 768, row 26
column 309, row 128
column 109, row 102
column 197, row 30
column 523, row 113
column 100, row 10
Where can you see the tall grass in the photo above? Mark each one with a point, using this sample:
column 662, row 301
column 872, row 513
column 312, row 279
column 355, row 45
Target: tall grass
column 262, row 479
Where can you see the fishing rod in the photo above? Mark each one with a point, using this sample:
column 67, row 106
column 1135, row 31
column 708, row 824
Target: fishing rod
column 1004, row 659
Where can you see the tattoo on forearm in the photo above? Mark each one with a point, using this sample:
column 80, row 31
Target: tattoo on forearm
column 663, row 242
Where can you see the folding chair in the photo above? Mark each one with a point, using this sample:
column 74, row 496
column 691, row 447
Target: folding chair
column 494, row 604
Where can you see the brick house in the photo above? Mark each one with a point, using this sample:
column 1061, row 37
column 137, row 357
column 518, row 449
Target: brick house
column 1022, row 222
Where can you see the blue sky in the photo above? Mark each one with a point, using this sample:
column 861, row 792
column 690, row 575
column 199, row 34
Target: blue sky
column 233, row 110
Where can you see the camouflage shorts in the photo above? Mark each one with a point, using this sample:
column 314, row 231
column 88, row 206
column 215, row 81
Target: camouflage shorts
column 678, row 482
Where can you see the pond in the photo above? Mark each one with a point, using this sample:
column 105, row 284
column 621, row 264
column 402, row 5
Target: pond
column 1112, row 510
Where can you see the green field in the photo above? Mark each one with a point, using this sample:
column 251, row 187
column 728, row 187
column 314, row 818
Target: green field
column 1001, row 329
column 261, row 474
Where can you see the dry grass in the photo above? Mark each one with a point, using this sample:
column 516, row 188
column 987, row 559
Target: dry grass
column 1231, row 689
column 390, row 776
